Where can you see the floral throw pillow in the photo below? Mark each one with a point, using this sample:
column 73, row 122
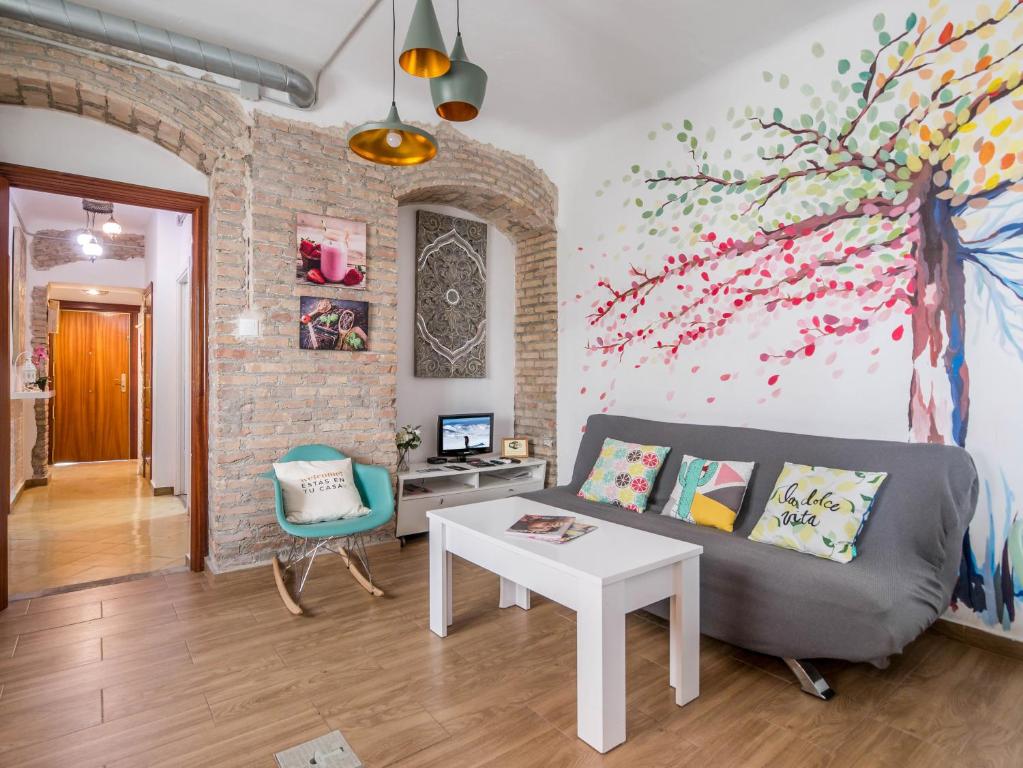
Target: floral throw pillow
column 709, row 492
column 624, row 474
column 818, row 510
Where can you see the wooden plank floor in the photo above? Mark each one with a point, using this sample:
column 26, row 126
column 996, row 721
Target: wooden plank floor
column 190, row 670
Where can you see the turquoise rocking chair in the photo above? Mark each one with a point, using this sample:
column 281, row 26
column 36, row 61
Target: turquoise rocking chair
column 342, row 537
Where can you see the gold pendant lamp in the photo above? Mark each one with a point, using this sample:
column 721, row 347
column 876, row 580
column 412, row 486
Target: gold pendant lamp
column 424, row 53
column 390, row 141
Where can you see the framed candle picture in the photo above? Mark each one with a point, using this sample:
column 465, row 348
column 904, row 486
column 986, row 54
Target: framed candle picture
column 330, row 251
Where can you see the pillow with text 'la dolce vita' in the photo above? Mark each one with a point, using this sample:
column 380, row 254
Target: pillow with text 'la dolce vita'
column 818, row 510
column 319, row 491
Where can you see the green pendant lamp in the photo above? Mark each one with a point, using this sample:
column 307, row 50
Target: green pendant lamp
column 390, row 141
column 458, row 95
column 424, row 53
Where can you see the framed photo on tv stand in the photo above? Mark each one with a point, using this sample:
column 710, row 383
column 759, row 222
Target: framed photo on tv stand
column 515, row 448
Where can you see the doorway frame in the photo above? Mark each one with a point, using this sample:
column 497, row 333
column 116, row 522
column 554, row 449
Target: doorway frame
column 148, row 338
column 58, row 182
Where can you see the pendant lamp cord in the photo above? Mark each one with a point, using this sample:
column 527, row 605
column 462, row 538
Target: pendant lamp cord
column 458, row 16
column 394, row 53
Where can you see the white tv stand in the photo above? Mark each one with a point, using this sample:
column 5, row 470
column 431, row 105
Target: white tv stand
column 447, row 487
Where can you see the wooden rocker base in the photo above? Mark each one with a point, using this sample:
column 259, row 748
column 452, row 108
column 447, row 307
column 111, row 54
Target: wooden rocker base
column 282, row 588
column 358, row 575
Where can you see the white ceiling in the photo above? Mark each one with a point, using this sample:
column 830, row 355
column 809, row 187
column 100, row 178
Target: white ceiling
column 557, row 68
column 43, row 210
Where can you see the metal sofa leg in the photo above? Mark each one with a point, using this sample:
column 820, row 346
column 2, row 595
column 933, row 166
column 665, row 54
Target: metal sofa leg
column 810, row 680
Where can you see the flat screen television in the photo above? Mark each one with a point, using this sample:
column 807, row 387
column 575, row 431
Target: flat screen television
column 465, row 434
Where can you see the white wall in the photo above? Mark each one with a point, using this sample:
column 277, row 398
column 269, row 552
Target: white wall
column 854, row 386
column 420, row 400
column 23, row 427
column 46, row 138
column 168, row 254
column 112, row 273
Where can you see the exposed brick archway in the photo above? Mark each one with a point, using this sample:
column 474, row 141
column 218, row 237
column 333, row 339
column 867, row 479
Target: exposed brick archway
column 265, row 394
column 197, row 124
column 516, row 197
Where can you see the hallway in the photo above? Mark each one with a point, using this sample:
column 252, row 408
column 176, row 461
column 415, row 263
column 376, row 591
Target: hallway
column 93, row 522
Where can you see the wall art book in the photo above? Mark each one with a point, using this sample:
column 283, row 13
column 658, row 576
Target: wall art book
column 330, row 251
column 333, row 324
column 451, row 297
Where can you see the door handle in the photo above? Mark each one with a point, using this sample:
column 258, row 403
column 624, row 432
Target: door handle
column 124, row 382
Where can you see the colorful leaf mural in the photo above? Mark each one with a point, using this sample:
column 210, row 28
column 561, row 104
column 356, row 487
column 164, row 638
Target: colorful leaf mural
column 867, row 207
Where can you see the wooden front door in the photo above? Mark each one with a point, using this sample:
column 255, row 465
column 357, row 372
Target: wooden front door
column 92, row 401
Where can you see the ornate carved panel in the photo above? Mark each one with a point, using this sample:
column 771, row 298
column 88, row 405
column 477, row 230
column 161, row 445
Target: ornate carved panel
column 451, row 297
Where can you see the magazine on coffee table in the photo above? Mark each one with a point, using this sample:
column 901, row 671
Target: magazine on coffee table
column 541, row 527
column 575, row 530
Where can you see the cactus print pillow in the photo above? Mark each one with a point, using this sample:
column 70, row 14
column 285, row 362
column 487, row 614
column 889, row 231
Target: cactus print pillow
column 818, row 510
column 624, row 474
column 709, row 492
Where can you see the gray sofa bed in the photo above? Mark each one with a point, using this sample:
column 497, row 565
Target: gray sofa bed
column 793, row 605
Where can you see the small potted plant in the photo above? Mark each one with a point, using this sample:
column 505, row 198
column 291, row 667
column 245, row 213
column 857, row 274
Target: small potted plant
column 407, row 438
column 40, row 358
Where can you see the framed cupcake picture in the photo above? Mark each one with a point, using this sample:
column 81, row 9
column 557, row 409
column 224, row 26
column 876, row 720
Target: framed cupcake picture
column 330, row 251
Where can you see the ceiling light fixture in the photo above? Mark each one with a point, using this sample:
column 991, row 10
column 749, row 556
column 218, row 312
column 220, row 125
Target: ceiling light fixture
column 111, row 226
column 458, row 94
column 92, row 249
column 424, row 53
column 390, row 141
column 86, row 238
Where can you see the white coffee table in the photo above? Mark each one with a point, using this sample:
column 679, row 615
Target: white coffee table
column 602, row 576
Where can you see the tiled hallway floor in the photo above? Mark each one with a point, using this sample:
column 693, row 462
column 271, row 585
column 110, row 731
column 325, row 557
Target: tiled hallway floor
column 93, row 522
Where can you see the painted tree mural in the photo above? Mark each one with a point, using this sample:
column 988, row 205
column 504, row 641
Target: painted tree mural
column 870, row 203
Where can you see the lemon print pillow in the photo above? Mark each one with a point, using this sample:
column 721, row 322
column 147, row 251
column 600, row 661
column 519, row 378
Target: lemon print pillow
column 818, row 510
column 709, row 492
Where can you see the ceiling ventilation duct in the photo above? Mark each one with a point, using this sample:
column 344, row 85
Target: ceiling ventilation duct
column 121, row 32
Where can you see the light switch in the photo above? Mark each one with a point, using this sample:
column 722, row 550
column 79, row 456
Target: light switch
column 248, row 325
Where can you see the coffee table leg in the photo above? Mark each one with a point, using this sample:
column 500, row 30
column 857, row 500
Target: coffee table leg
column 440, row 580
column 600, row 666
column 513, row 594
column 684, row 655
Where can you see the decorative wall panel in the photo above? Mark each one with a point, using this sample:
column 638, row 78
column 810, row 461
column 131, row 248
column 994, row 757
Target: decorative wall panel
column 451, row 297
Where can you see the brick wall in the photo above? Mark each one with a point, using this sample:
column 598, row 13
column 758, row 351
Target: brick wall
column 53, row 247
column 37, row 331
column 266, row 395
